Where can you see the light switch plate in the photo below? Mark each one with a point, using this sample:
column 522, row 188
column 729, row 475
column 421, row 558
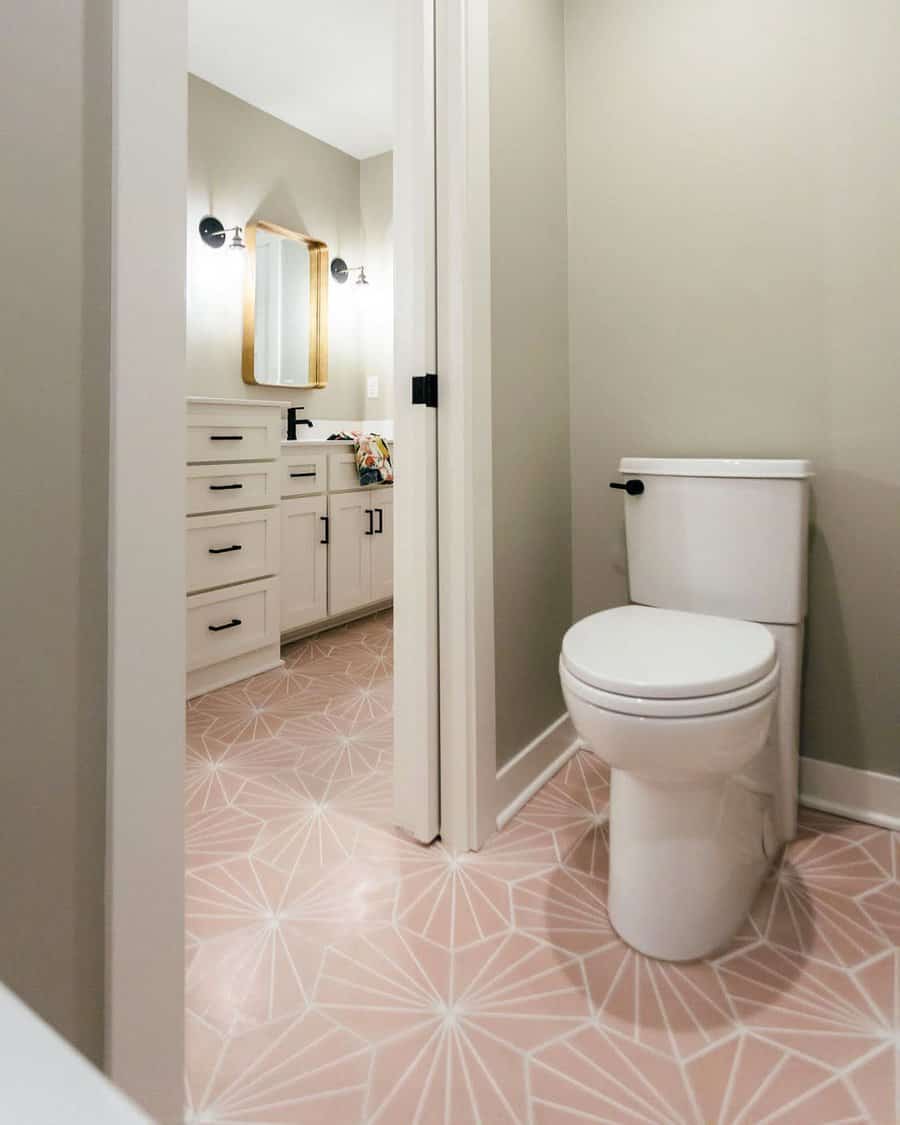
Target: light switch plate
column 372, row 384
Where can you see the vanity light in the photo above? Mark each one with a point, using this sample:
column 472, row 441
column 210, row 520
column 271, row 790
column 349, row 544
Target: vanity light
column 340, row 271
column 213, row 234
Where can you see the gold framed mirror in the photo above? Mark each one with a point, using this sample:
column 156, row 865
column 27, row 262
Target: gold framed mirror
column 285, row 308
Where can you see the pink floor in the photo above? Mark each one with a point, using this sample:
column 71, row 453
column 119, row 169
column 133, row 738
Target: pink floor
column 338, row 973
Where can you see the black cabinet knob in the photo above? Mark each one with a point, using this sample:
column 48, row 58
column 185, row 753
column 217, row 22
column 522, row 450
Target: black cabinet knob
column 632, row 487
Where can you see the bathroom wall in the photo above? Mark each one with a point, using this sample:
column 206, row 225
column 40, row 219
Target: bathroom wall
column 376, row 204
column 245, row 164
column 54, row 322
column 530, row 427
column 734, row 171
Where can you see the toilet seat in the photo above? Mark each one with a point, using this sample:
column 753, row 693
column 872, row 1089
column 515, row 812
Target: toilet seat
column 669, row 708
column 638, row 660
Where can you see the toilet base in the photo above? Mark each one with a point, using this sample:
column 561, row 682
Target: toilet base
column 686, row 860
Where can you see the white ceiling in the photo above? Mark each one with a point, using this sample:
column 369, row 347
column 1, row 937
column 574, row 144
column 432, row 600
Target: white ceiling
column 324, row 66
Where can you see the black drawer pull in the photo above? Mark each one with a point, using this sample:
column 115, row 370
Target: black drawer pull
column 324, row 520
column 225, row 550
column 370, row 514
column 380, row 513
column 232, row 624
column 632, row 487
column 223, row 487
column 302, row 475
column 226, row 437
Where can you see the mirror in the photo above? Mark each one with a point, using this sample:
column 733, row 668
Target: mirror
column 285, row 308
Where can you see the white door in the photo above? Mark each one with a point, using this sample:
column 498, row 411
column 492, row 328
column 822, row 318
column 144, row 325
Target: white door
column 382, row 545
column 416, row 712
column 304, row 555
column 350, row 531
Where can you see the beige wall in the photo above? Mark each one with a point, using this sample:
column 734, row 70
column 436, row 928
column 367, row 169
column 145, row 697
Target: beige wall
column 54, row 318
column 734, row 172
column 376, row 204
column 245, row 164
column 530, row 428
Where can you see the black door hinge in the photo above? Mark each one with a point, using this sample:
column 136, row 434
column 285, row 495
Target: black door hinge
column 424, row 390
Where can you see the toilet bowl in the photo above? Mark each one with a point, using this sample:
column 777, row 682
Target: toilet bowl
column 678, row 705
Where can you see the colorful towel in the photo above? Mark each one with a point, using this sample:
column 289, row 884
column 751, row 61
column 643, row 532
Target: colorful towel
column 373, row 458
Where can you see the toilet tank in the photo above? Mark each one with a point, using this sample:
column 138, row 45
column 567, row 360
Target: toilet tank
column 727, row 537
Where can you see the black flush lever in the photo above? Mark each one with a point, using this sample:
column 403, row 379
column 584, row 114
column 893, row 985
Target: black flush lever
column 632, row 487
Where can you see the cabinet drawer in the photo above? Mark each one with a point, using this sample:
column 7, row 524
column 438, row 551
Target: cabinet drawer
column 231, row 548
column 342, row 471
column 302, row 473
column 248, row 613
column 220, row 488
column 233, row 433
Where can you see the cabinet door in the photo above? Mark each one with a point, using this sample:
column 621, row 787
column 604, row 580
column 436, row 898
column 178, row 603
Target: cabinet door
column 349, row 551
column 303, row 562
column 383, row 545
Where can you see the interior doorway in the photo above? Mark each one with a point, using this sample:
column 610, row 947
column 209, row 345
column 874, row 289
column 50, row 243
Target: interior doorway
column 441, row 163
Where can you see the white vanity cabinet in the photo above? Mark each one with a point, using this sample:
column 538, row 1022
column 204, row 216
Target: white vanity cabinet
column 382, row 548
column 304, row 550
column 361, row 559
column 233, row 529
column 337, row 545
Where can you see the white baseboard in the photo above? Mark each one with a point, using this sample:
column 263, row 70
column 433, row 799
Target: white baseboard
column 521, row 778
column 873, row 798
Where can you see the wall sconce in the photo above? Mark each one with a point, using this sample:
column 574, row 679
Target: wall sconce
column 213, row 234
column 340, row 271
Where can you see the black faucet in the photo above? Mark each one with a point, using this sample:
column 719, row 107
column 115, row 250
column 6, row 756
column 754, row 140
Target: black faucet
column 293, row 422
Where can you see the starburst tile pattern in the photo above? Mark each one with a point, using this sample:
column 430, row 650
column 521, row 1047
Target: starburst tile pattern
column 339, row 973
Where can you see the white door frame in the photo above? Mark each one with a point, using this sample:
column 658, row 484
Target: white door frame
column 468, row 723
column 145, row 862
column 145, row 775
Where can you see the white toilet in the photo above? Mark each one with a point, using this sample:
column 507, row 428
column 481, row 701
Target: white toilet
column 692, row 694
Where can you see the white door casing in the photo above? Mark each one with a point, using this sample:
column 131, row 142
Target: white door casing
column 468, row 724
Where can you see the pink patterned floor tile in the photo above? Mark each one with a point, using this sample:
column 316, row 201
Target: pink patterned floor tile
column 341, row 746
column 677, row 1009
column 297, row 825
column 217, row 835
column 340, row 973
column 882, row 907
column 451, row 1029
column 566, row 908
column 572, row 804
column 301, row 1070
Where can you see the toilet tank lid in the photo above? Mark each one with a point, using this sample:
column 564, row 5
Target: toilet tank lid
column 764, row 468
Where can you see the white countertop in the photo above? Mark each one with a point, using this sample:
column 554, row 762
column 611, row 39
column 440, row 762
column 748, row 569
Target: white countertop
column 316, row 436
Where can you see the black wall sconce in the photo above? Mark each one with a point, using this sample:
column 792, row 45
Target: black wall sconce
column 213, row 234
column 340, row 271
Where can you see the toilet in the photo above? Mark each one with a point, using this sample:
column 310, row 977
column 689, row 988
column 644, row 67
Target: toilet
column 691, row 694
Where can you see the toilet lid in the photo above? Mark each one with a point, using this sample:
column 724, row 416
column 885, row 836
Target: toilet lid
column 665, row 654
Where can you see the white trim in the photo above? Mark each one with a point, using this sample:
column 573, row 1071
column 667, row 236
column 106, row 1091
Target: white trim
column 227, row 672
column 325, row 623
column 533, row 766
column 144, row 1010
column 468, row 725
column 873, row 798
